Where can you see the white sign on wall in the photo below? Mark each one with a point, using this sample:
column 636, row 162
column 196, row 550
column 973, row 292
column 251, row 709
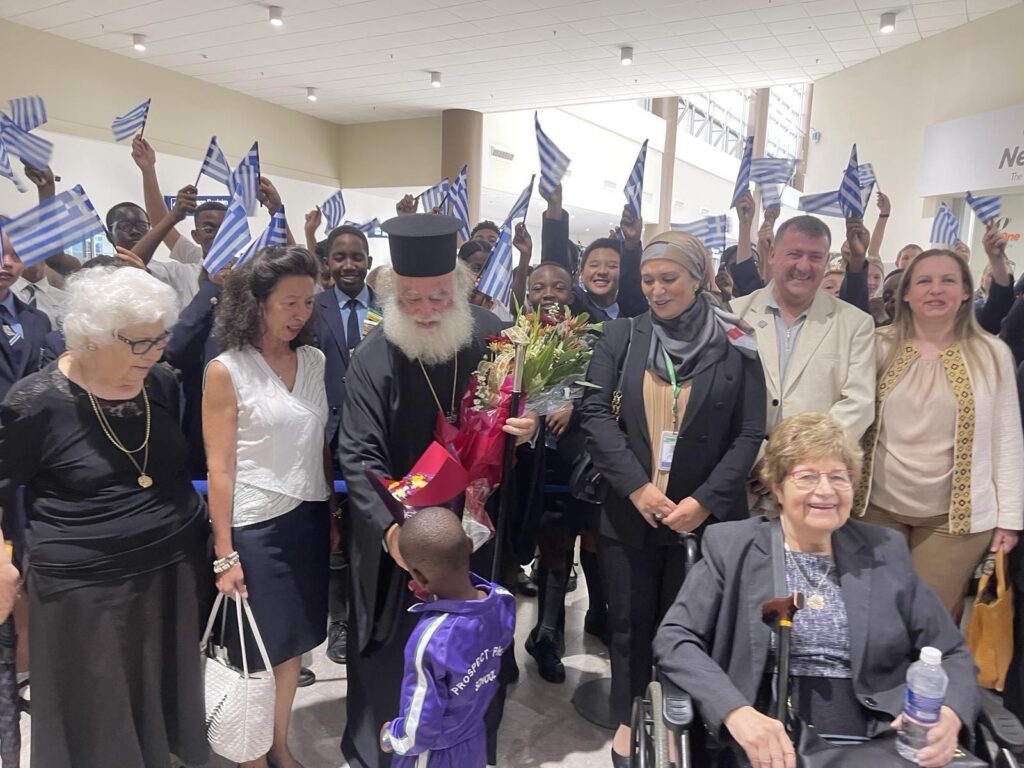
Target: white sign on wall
column 984, row 151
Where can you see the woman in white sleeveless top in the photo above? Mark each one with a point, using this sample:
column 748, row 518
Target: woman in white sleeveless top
column 264, row 413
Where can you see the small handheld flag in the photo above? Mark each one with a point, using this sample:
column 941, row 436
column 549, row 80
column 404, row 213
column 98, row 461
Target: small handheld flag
column 434, row 196
column 232, row 236
column 711, row 230
column 945, row 227
column 33, row 150
column 333, row 209
column 743, row 176
column 246, row 179
column 52, row 226
column 553, row 161
column 496, row 278
column 850, row 190
column 822, row 203
column 132, row 122
column 771, row 195
column 459, row 196
column 772, row 170
column 634, row 189
column 215, row 165
column 985, row 207
column 368, row 228
column 7, row 171
column 28, row 112
column 276, row 233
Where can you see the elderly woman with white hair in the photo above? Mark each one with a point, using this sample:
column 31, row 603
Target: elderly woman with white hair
column 119, row 539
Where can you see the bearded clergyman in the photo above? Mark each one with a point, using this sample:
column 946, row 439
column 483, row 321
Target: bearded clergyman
column 415, row 365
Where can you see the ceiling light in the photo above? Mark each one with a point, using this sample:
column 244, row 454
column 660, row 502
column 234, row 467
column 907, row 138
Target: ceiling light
column 435, row 79
column 139, row 42
column 311, row 94
column 626, row 55
column 888, row 25
column 276, row 16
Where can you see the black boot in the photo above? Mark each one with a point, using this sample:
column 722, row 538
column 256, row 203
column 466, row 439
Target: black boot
column 546, row 641
column 596, row 621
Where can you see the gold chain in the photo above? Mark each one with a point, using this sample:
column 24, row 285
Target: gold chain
column 450, row 416
column 144, row 480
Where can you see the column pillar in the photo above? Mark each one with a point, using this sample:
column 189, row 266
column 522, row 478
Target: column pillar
column 667, row 108
column 462, row 133
column 757, row 126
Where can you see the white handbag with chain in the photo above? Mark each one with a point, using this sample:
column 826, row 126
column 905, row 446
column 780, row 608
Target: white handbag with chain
column 239, row 703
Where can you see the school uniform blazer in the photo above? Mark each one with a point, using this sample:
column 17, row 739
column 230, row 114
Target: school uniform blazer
column 330, row 339
column 832, row 369
column 34, row 327
column 713, row 644
column 720, row 432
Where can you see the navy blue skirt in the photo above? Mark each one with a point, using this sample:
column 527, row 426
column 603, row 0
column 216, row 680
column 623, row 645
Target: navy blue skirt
column 285, row 561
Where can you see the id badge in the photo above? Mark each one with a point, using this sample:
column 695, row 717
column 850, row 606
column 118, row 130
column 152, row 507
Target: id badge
column 666, row 448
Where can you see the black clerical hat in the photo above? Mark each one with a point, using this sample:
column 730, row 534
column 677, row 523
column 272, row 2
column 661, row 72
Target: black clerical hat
column 422, row 244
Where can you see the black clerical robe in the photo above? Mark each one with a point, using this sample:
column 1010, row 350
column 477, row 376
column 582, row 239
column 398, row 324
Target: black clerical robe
column 387, row 422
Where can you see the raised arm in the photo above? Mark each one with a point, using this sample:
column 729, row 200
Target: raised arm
column 156, row 209
column 554, row 230
column 631, row 296
column 184, row 203
column 1000, row 293
column 521, row 275
column 884, row 209
column 854, row 289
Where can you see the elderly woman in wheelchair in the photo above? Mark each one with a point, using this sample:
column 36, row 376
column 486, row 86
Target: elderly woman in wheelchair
column 865, row 618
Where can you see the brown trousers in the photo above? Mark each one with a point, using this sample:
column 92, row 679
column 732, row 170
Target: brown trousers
column 944, row 561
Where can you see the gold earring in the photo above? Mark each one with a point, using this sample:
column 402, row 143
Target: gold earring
column 91, row 347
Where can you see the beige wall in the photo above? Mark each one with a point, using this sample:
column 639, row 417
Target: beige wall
column 391, row 154
column 885, row 104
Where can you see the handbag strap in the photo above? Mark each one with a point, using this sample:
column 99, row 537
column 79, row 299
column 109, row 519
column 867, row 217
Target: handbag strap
column 617, row 392
column 204, row 643
column 256, row 635
column 1002, row 585
column 240, row 604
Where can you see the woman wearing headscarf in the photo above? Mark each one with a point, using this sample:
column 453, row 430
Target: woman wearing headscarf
column 674, row 425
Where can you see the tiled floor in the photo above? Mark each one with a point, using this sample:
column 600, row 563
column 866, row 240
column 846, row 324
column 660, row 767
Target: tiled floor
column 541, row 728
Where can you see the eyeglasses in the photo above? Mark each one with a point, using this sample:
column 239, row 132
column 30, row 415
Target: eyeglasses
column 809, row 480
column 136, row 227
column 143, row 346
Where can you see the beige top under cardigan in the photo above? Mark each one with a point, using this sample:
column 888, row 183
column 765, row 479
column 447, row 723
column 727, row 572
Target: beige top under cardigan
column 658, row 410
column 914, row 457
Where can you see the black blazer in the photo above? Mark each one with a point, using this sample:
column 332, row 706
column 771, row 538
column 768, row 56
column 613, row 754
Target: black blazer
column 713, row 644
column 34, row 327
column 719, row 435
column 330, row 339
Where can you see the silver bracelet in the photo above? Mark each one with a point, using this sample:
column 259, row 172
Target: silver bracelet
column 225, row 563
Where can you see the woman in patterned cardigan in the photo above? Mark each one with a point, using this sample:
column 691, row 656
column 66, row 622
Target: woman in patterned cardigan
column 944, row 456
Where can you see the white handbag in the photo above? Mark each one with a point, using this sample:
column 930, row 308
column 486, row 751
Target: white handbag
column 239, row 703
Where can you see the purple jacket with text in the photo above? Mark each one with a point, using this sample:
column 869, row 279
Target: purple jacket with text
column 451, row 674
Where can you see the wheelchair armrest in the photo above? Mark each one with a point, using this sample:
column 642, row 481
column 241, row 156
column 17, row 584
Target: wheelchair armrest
column 1006, row 729
column 676, row 704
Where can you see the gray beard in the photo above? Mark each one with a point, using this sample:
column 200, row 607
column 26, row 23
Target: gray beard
column 438, row 345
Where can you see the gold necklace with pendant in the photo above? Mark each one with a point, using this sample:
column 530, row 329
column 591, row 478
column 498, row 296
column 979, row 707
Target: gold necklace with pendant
column 815, row 600
column 144, row 480
column 451, row 417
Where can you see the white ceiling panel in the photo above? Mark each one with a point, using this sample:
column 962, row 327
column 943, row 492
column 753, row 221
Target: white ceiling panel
column 370, row 59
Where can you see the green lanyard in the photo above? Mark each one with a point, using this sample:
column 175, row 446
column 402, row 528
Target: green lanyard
column 676, row 388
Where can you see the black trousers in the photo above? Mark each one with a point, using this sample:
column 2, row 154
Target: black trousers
column 641, row 585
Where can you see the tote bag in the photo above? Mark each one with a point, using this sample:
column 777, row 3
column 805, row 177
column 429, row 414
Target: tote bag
column 990, row 627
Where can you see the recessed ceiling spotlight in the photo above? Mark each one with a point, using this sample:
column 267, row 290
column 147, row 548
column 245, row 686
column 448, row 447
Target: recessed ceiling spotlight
column 888, row 23
column 626, row 55
column 139, row 42
column 276, row 16
column 311, row 94
column 435, row 79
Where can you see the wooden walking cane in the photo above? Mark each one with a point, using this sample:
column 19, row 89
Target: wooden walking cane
column 778, row 613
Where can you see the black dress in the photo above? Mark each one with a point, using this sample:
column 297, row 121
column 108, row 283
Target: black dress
column 119, row 576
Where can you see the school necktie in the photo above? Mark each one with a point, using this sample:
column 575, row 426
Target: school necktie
column 29, row 294
column 352, row 335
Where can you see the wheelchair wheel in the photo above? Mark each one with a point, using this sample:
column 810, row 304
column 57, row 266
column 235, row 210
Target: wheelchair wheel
column 649, row 736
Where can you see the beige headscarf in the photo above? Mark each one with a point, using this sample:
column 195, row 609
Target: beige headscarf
column 686, row 251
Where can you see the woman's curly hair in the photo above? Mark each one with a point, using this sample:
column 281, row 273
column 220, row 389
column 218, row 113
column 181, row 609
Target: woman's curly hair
column 239, row 313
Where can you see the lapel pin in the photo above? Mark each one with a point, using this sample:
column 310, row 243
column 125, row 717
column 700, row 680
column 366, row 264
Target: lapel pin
column 762, row 324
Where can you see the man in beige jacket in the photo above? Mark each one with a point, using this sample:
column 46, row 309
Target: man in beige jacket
column 818, row 352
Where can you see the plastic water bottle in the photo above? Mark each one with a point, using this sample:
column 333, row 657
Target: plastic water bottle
column 926, row 689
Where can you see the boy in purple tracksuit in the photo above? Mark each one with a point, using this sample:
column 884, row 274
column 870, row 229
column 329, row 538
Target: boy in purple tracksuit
column 453, row 655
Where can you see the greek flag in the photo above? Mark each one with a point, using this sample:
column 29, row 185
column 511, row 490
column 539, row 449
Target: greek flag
column 33, row 150
column 368, row 228
column 246, row 179
column 232, row 236
column 945, row 227
column 132, row 122
column 553, row 161
column 866, row 174
column 634, row 189
column 276, row 233
column 333, row 209
column 743, row 176
column 496, row 279
column 52, row 226
column 459, row 197
column 850, row 191
column 434, row 197
column 215, row 165
column 772, row 170
column 771, row 195
column 985, row 208
column 823, row 204
column 28, row 112
column 7, row 171
column 710, row 230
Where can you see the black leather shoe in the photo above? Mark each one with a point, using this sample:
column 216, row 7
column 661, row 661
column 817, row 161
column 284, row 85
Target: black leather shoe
column 545, row 653
column 337, row 642
column 619, row 761
column 306, row 677
column 526, row 585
